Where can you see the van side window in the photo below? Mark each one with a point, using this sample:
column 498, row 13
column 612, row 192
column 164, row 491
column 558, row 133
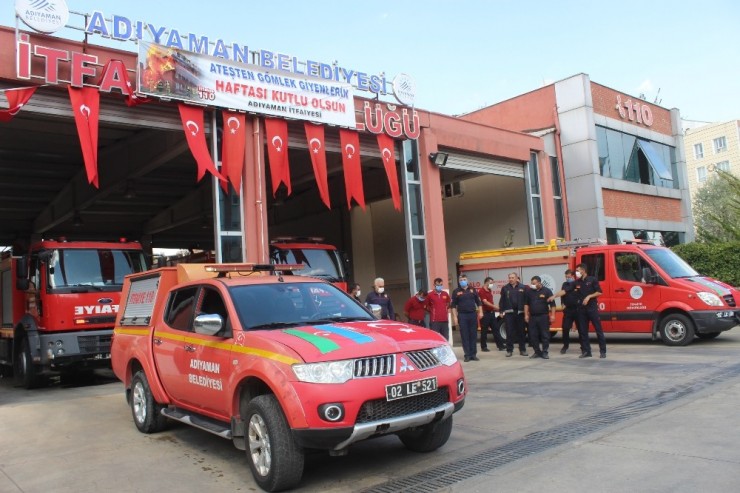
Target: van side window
column 595, row 264
column 629, row 266
column 180, row 309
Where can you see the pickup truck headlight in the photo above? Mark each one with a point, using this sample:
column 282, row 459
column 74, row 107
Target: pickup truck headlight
column 329, row 372
column 445, row 355
column 710, row 299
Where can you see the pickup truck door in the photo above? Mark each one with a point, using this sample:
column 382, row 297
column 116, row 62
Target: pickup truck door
column 174, row 348
column 630, row 296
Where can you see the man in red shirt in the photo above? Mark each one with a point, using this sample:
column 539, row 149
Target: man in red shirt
column 488, row 321
column 438, row 306
column 415, row 308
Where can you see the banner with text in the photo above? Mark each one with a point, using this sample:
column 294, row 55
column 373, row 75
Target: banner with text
column 201, row 79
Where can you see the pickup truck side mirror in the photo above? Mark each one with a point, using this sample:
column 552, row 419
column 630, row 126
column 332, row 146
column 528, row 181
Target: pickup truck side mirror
column 648, row 276
column 208, row 324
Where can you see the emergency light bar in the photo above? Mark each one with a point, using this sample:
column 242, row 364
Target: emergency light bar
column 223, row 268
column 297, row 239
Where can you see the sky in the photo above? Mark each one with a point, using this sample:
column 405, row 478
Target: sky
column 468, row 54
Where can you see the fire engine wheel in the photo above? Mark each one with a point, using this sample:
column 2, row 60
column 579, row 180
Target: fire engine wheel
column 676, row 330
column 427, row 438
column 147, row 413
column 275, row 459
column 26, row 373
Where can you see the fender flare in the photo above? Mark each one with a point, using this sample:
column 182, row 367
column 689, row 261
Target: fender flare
column 672, row 306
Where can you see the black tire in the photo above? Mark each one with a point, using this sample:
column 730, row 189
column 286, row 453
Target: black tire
column 708, row 335
column 147, row 413
column 676, row 330
column 502, row 331
column 26, row 373
column 427, row 438
column 274, row 457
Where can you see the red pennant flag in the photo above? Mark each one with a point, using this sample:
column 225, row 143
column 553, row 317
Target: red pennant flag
column 192, row 123
column 16, row 99
column 315, row 137
column 387, row 153
column 350, row 142
column 277, row 153
column 86, row 109
column 114, row 74
column 232, row 149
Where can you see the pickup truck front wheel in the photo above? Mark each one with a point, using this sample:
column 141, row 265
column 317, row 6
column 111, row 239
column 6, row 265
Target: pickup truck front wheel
column 147, row 413
column 427, row 438
column 676, row 330
column 275, row 459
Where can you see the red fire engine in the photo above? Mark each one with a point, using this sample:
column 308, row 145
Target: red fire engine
column 59, row 305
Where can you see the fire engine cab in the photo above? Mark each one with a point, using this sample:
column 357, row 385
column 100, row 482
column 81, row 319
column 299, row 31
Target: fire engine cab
column 646, row 288
column 278, row 364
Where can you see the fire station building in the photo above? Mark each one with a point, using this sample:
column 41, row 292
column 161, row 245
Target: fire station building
column 216, row 146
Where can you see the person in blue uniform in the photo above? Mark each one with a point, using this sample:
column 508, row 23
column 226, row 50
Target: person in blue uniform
column 466, row 310
column 512, row 305
column 378, row 296
column 570, row 301
column 588, row 310
column 539, row 313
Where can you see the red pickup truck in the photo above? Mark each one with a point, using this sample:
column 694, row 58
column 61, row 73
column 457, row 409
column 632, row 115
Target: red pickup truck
column 279, row 365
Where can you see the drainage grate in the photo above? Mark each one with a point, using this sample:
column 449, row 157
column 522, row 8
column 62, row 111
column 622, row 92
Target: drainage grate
column 445, row 475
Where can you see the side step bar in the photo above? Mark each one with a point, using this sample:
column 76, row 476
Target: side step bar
column 198, row 421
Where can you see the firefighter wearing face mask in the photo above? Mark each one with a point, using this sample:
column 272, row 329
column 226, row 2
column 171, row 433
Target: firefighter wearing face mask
column 489, row 320
column 415, row 308
column 466, row 310
column 378, row 296
column 539, row 313
column 569, row 298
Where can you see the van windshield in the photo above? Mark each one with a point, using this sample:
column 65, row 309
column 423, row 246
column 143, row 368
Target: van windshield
column 672, row 264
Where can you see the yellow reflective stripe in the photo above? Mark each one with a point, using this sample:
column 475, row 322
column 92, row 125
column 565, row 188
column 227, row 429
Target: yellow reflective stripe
column 131, row 332
column 229, row 347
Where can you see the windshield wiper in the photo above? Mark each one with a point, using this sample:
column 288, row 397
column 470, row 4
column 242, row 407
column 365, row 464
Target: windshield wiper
column 275, row 325
column 337, row 319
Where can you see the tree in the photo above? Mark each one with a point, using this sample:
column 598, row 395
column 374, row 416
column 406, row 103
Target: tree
column 717, row 209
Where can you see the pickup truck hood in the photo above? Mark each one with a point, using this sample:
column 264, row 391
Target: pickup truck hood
column 347, row 340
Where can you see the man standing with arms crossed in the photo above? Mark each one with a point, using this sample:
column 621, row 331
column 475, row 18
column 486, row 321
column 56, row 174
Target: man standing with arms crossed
column 588, row 310
column 466, row 307
column 539, row 313
column 512, row 304
column 570, row 301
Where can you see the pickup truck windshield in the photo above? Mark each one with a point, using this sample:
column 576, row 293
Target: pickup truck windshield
column 101, row 270
column 672, row 264
column 277, row 306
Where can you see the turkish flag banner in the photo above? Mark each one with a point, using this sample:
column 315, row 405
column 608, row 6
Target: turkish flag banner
column 16, row 99
column 387, row 153
column 277, row 153
column 233, row 145
column 315, row 138
column 350, row 143
column 192, row 123
column 86, row 109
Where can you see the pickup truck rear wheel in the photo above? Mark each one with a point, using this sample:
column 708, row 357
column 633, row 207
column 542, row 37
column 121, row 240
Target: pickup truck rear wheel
column 427, row 438
column 147, row 413
column 676, row 330
column 275, row 459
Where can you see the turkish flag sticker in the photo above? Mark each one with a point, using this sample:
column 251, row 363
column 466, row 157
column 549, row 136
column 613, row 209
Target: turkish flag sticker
column 86, row 109
column 315, row 138
column 350, row 142
column 277, row 153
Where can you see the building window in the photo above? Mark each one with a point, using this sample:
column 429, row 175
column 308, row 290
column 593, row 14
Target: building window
column 698, row 150
column 701, row 174
column 720, row 144
column 723, row 165
column 534, row 192
column 557, row 196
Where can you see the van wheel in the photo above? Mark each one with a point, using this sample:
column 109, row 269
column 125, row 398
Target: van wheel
column 275, row 459
column 26, row 373
column 708, row 335
column 427, row 438
column 676, row 330
column 147, row 413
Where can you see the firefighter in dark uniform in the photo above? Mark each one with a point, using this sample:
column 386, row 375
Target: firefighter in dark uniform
column 570, row 301
column 539, row 313
column 512, row 305
column 466, row 307
column 588, row 310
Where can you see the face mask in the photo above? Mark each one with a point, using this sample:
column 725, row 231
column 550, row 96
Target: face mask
column 490, row 286
column 533, row 286
column 570, row 279
column 358, row 293
column 463, row 284
column 578, row 274
column 380, row 290
column 420, row 298
column 438, row 289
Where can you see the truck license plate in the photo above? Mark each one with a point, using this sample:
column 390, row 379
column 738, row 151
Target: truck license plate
column 408, row 389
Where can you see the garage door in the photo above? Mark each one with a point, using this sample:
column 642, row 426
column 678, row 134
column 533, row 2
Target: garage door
column 479, row 164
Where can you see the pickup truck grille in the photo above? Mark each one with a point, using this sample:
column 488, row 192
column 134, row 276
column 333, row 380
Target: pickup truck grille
column 381, row 409
column 94, row 344
column 376, row 366
column 423, row 359
column 729, row 299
